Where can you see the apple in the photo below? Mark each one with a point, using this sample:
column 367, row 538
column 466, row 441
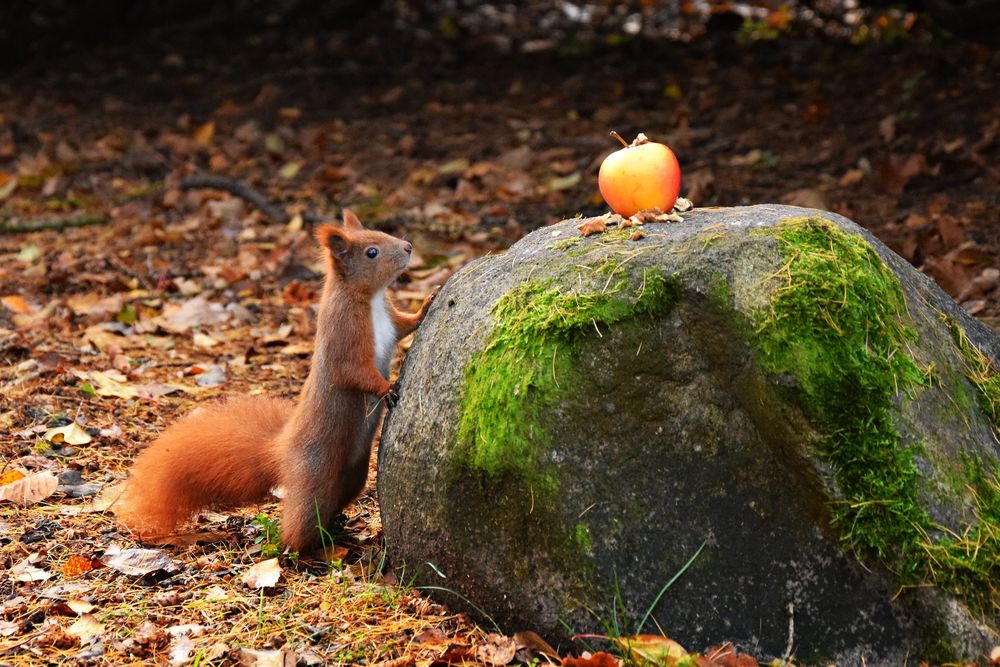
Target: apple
column 643, row 174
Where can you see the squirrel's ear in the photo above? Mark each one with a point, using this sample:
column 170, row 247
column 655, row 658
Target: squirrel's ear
column 350, row 220
column 333, row 239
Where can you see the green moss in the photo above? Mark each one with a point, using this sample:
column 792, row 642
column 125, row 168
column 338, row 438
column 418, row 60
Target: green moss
column 837, row 324
column 981, row 372
column 528, row 361
column 583, row 539
column 566, row 244
column 968, row 563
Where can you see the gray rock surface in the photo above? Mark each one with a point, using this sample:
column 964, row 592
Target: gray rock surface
column 578, row 417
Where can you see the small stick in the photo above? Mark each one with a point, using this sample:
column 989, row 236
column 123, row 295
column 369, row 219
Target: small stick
column 43, row 224
column 244, row 192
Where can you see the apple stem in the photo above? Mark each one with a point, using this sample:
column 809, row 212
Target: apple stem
column 619, row 138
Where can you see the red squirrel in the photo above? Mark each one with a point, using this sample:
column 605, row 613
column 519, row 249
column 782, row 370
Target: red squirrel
column 233, row 453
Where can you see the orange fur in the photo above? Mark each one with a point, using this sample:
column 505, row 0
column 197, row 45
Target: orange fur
column 221, row 454
column 233, row 453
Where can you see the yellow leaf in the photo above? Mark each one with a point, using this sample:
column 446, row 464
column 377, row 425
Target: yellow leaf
column 652, row 648
column 11, row 476
column 105, row 385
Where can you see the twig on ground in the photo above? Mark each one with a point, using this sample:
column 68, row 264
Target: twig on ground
column 14, row 226
column 244, row 192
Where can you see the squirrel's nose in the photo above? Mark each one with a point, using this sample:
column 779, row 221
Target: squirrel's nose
column 408, row 247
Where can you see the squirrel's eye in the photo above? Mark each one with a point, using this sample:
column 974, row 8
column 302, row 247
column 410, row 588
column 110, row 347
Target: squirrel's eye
column 372, row 252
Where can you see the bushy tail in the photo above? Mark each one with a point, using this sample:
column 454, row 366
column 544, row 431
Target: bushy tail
column 222, row 454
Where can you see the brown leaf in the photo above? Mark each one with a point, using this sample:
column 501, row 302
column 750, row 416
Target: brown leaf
column 30, row 489
column 592, row 226
column 725, row 656
column 950, row 229
column 204, row 133
column 405, row 661
column 498, row 650
column 432, row 636
column 531, row 641
column 699, row 184
column 805, row 197
column 896, row 172
column 456, row 655
column 599, row 659
column 297, row 294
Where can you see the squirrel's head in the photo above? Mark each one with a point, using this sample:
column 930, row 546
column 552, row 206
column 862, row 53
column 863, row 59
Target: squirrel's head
column 362, row 258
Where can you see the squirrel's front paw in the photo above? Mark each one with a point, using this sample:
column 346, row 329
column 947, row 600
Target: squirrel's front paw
column 391, row 395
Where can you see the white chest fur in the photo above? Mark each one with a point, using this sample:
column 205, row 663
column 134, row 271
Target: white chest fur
column 384, row 332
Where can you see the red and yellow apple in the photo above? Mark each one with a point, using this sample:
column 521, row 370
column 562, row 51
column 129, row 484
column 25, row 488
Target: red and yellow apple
column 642, row 175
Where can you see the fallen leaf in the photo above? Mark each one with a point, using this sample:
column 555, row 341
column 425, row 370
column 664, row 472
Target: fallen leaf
column 204, row 340
column 896, row 172
column 264, row 574
column 86, row 628
column 565, row 182
column 277, row 658
column 80, row 606
column 70, row 434
column 25, row 570
column 16, row 303
column 211, row 376
column 405, row 661
column 887, row 128
column 197, row 311
column 290, row 170
column 726, row 656
column 10, row 476
column 599, row 659
column 806, row 198
column 683, row 205
column 75, row 565
column 498, row 650
column 204, row 133
column 137, row 562
column 432, row 636
column 592, row 226
column 652, row 648
column 531, row 641
column 182, row 650
column 71, row 483
column 30, row 489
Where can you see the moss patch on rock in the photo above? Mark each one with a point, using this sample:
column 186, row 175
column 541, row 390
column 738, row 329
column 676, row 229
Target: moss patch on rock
column 528, row 361
column 837, row 324
column 983, row 375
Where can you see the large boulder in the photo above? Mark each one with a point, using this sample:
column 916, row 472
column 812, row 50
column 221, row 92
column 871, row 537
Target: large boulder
column 767, row 393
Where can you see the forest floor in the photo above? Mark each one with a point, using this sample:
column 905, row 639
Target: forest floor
column 462, row 146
